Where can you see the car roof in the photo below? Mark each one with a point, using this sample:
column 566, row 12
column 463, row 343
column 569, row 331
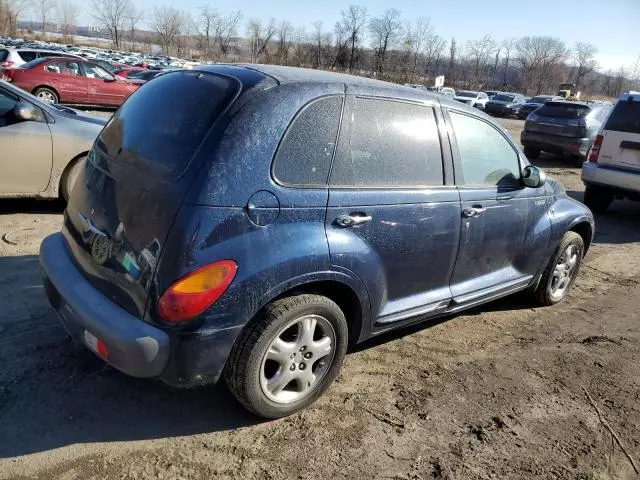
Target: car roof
column 289, row 75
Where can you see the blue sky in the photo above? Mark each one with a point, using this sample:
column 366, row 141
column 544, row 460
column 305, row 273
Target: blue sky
column 612, row 25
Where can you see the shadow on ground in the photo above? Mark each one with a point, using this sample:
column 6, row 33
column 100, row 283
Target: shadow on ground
column 30, row 205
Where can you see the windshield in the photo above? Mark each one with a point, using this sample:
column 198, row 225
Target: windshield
column 503, row 98
column 463, row 93
column 563, row 110
column 33, row 63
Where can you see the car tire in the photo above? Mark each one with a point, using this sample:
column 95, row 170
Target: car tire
column 70, row 176
column 266, row 368
column 47, row 95
column 531, row 153
column 598, row 199
column 561, row 271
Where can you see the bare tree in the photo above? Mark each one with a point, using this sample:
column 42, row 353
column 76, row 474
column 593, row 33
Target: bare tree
column 451, row 70
column 385, row 31
column 111, row 15
column 583, row 58
column 317, row 38
column 208, row 17
column 260, row 37
column 133, row 16
column 68, row 16
column 540, row 57
column 508, row 46
column 635, row 75
column 285, row 32
column 480, row 51
column 43, row 8
column 168, row 23
column 225, row 28
column 353, row 21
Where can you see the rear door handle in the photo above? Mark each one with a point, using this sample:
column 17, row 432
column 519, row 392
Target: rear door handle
column 473, row 211
column 353, row 220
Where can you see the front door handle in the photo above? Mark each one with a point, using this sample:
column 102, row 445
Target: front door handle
column 353, row 220
column 473, row 211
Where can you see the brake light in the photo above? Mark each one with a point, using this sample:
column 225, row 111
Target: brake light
column 193, row 294
column 6, row 64
column 595, row 149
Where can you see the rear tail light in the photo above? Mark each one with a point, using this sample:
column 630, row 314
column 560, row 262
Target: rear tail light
column 193, row 294
column 595, row 149
column 6, row 64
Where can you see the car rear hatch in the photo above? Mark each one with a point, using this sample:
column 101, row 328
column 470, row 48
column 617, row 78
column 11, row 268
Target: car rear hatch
column 559, row 118
column 621, row 136
column 137, row 173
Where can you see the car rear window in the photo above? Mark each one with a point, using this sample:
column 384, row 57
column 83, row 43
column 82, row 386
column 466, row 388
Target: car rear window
column 163, row 123
column 563, row 110
column 625, row 117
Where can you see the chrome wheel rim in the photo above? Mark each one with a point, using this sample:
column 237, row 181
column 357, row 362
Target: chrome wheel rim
column 564, row 272
column 46, row 97
column 297, row 359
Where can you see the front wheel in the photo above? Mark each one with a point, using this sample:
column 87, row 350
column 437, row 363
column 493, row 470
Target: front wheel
column 288, row 356
column 47, row 95
column 561, row 271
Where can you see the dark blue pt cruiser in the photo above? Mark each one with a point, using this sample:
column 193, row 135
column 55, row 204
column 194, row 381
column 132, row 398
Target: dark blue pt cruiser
column 252, row 222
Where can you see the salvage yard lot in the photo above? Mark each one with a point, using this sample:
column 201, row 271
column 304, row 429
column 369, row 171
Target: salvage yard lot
column 494, row 393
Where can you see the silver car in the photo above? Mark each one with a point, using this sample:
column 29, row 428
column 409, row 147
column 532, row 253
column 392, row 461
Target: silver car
column 42, row 147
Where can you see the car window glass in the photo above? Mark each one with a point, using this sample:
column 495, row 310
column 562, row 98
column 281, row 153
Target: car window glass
column 486, row 157
column 27, row 56
column 7, row 105
column 3, row 55
column 625, row 117
column 304, row 155
column 392, row 144
column 64, row 68
column 94, row 71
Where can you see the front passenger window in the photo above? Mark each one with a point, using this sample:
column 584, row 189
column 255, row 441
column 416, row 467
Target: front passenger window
column 486, row 157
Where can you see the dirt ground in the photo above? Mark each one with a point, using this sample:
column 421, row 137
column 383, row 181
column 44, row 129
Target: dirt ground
column 497, row 393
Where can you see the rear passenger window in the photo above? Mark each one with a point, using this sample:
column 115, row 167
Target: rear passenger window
column 625, row 117
column 304, row 155
column 487, row 158
column 392, row 144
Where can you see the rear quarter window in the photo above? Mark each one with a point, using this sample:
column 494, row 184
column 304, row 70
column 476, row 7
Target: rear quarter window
column 304, row 155
column 3, row 55
column 625, row 117
column 163, row 123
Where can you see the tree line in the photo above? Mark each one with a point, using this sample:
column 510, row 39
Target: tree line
column 386, row 46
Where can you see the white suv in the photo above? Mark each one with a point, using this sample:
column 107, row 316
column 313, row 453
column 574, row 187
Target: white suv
column 16, row 57
column 613, row 166
column 475, row 99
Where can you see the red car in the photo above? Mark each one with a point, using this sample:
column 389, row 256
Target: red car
column 127, row 72
column 70, row 80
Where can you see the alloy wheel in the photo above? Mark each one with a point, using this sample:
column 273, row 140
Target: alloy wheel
column 564, row 272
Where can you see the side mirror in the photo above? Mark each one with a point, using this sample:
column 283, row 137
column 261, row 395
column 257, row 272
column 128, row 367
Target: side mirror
column 533, row 177
column 27, row 112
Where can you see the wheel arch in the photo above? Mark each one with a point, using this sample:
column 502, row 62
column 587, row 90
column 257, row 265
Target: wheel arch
column 67, row 168
column 585, row 230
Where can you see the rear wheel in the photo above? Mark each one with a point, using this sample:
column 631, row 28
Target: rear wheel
column 288, row 356
column 531, row 153
column 47, row 95
column 70, row 177
column 561, row 271
column 598, row 199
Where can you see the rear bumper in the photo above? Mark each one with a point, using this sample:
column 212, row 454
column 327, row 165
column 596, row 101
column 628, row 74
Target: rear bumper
column 612, row 178
column 134, row 347
column 556, row 143
column 179, row 358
